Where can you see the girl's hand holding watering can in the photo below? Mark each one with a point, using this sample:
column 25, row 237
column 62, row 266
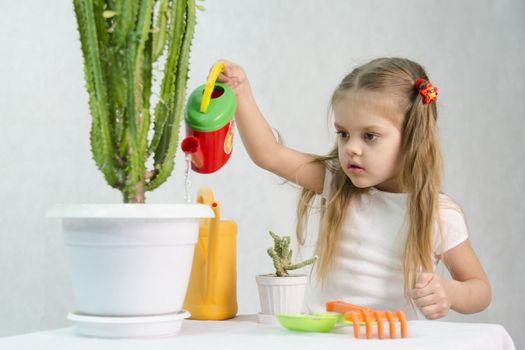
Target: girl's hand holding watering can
column 235, row 77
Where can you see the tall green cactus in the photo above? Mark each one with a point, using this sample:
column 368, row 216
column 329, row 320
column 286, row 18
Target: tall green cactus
column 281, row 255
column 120, row 41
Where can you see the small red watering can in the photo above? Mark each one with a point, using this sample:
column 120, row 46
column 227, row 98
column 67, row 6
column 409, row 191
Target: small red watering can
column 209, row 124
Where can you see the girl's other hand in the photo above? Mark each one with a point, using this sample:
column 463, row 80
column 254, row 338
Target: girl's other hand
column 431, row 295
column 234, row 76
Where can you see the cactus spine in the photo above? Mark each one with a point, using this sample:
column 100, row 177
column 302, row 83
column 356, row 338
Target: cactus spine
column 281, row 255
column 120, row 41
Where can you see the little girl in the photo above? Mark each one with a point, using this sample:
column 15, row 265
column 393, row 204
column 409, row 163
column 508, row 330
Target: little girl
column 384, row 223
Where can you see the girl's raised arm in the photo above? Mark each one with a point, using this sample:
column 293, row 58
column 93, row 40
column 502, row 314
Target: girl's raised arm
column 260, row 142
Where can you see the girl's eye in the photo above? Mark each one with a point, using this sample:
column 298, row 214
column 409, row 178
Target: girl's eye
column 342, row 134
column 370, row 137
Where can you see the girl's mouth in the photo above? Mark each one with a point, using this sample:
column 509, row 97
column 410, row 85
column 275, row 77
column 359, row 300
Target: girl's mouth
column 355, row 169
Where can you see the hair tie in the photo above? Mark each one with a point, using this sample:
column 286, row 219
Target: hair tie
column 427, row 90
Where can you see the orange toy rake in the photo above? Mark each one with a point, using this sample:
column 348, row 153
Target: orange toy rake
column 357, row 314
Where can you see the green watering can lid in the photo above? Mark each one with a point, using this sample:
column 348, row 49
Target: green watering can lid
column 219, row 111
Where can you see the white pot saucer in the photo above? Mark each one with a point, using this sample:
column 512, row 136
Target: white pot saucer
column 128, row 326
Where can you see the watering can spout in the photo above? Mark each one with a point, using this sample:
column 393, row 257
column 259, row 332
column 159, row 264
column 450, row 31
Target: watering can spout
column 191, row 147
column 212, row 290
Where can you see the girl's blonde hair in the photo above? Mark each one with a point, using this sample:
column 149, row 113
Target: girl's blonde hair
column 421, row 168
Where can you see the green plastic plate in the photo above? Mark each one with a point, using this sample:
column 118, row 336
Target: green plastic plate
column 308, row 323
column 312, row 323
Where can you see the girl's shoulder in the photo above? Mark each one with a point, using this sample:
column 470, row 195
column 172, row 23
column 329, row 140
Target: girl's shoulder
column 453, row 226
column 450, row 211
column 446, row 203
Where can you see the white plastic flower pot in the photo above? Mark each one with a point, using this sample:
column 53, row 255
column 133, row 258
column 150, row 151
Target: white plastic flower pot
column 130, row 259
column 281, row 295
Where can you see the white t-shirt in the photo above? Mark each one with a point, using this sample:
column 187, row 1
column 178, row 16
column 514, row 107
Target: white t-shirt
column 368, row 267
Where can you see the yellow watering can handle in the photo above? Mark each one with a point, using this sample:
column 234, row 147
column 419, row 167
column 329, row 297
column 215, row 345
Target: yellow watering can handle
column 205, row 196
column 210, row 84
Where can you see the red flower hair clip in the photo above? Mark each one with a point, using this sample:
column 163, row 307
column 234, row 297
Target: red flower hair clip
column 427, row 90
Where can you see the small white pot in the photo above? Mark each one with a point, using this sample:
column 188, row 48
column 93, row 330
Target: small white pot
column 130, row 259
column 281, row 295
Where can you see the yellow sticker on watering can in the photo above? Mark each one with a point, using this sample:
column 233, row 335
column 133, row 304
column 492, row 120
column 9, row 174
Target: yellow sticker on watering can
column 228, row 140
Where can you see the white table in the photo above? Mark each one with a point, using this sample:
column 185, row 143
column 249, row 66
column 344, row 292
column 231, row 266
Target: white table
column 245, row 333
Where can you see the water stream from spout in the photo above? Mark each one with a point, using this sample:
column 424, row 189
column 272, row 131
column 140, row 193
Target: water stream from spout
column 187, row 180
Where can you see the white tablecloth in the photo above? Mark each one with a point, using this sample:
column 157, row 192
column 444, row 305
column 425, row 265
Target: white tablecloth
column 245, row 333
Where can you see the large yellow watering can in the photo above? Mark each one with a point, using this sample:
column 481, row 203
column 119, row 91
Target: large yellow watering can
column 212, row 290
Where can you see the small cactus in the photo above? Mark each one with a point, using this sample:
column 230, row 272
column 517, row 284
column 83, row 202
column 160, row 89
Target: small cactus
column 281, row 255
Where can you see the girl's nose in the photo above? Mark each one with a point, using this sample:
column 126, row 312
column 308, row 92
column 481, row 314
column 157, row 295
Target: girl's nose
column 353, row 147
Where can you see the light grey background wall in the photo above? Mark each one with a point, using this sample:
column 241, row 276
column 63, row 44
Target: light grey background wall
column 295, row 52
